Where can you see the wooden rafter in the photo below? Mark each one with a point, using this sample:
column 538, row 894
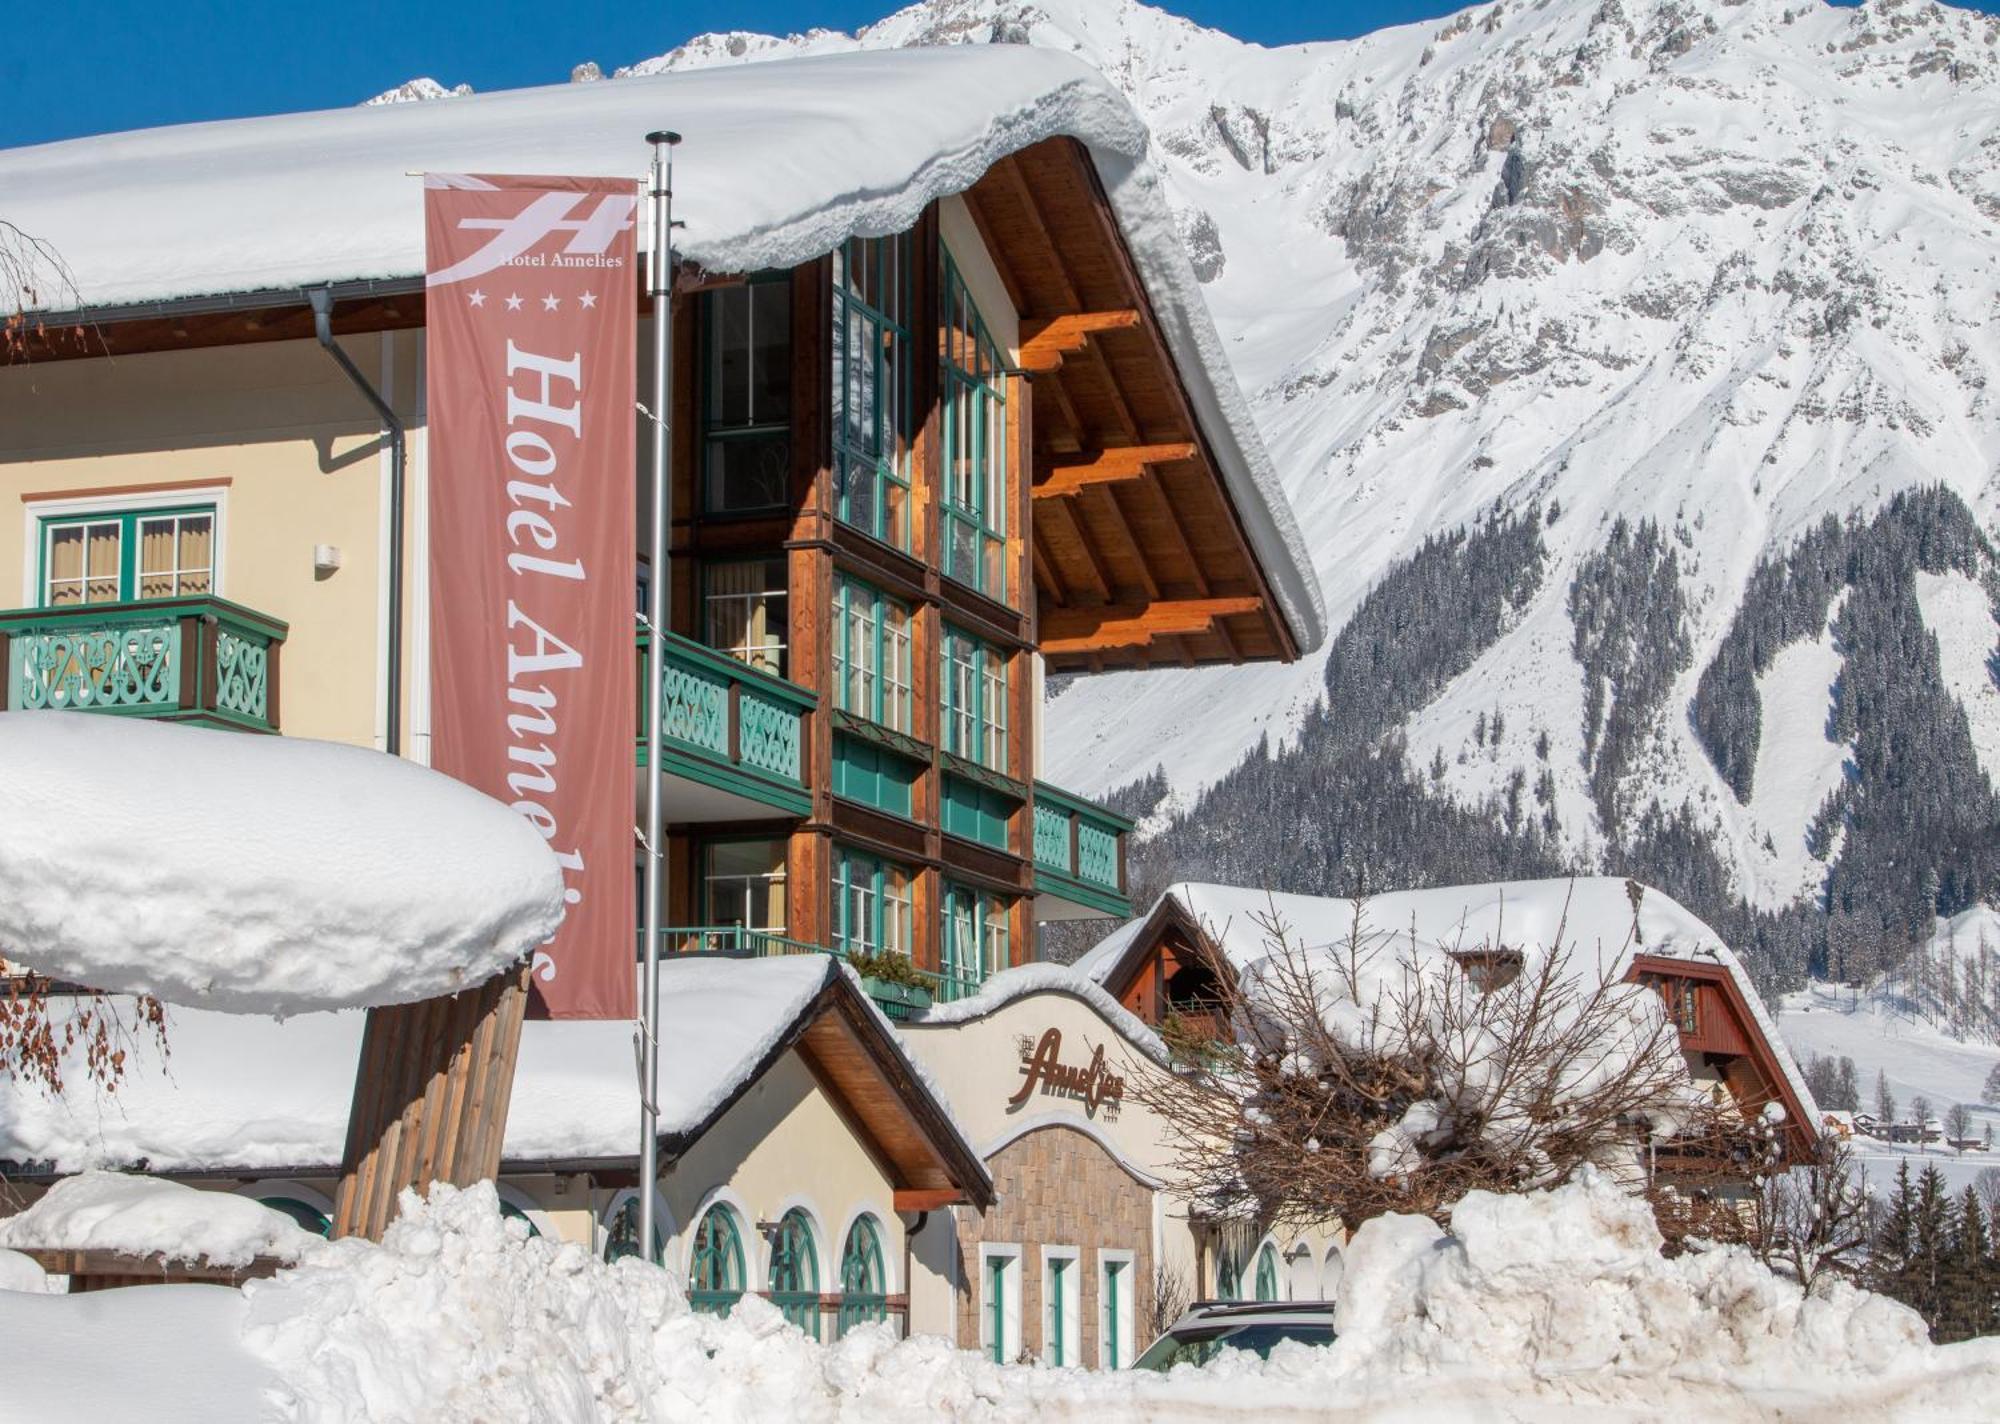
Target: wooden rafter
column 1010, row 173
column 1107, row 500
column 1083, row 630
column 1100, row 579
column 1047, row 342
column 1183, row 546
column 1117, row 465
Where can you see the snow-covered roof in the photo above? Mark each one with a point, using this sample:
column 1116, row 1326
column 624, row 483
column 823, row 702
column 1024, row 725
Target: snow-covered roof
column 256, row 874
column 144, row 1216
column 1008, row 985
column 781, row 163
column 255, row 1094
column 1592, row 917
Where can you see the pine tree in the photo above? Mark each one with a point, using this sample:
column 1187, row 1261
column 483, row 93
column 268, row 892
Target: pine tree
column 1930, row 1245
column 1885, row 1101
column 1990, row 1093
column 1968, row 1306
column 1850, row 1092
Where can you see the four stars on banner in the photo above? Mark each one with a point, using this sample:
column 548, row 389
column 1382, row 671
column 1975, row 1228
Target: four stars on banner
column 550, row 302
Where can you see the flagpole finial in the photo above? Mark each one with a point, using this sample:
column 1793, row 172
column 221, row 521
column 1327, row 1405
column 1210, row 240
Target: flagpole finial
column 666, row 136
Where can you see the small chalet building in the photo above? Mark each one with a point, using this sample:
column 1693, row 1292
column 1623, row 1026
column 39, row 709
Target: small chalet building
column 1162, row 966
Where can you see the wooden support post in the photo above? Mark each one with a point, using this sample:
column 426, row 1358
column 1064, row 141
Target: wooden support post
column 431, row 1094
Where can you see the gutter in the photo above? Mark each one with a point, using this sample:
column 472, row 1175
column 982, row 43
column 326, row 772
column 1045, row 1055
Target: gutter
column 322, row 310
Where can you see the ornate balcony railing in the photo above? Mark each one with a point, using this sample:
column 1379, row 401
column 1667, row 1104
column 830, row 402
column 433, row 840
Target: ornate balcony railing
column 1080, row 851
column 730, row 726
column 192, row 659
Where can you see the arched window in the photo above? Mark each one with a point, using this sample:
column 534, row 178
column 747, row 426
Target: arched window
column 863, row 1285
column 1335, row 1269
column 1228, row 1274
column 795, row 1271
column 1267, row 1272
column 310, row 1217
column 715, row 1272
column 621, row 1233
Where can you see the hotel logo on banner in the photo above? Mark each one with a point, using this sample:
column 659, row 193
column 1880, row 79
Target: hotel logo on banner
column 531, row 376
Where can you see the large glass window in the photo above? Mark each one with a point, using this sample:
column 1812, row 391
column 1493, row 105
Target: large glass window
column 972, row 393
column 975, row 939
column 871, row 655
column 871, row 904
column 743, row 883
column 119, row 557
column 743, row 612
column 975, row 700
column 747, row 390
column 871, row 386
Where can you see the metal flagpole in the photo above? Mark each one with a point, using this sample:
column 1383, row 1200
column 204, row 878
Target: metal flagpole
column 657, row 580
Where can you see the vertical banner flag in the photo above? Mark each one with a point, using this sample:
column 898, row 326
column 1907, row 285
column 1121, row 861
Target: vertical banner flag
column 531, row 316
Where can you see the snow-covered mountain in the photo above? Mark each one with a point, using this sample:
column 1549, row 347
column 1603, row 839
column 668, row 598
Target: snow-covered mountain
column 1726, row 267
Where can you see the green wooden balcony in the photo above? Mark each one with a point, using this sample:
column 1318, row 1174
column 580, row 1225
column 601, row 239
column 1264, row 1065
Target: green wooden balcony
column 897, row 1000
column 1079, row 857
column 733, row 735
column 193, row 659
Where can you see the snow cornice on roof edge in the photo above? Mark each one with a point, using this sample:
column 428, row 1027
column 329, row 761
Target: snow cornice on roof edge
column 782, row 162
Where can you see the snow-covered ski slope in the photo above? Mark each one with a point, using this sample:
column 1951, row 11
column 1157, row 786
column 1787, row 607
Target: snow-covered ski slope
column 1731, row 267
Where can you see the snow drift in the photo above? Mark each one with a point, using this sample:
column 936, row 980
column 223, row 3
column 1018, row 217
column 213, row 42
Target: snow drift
column 1547, row 1305
column 256, row 874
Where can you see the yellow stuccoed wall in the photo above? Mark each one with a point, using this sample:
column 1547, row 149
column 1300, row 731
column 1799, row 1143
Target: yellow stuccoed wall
column 301, row 454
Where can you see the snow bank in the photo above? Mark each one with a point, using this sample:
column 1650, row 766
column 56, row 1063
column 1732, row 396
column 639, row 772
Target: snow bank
column 256, row 874
column 147, row 1216
column 1550, row 1305
column 20, row 1273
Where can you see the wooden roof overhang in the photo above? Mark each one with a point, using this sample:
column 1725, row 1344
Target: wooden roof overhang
column 1140, row 555
column 1754, row 1076
column 853, row 1056
column 1167, row 917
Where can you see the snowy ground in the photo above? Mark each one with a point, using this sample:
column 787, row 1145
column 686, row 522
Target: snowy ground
column 1835, row 1021
column 1544, row 1306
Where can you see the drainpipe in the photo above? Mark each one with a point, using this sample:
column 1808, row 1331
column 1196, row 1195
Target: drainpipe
column 322, row 310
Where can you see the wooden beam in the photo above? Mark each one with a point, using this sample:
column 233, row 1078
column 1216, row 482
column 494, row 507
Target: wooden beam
column 1082, row 630
column 1102, row 467
column 1107, row 498
column 1100, row 579
column 925, row 1198
column 1045, row 343
column 1011, row 174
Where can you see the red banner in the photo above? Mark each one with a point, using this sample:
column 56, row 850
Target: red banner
column 532, row 352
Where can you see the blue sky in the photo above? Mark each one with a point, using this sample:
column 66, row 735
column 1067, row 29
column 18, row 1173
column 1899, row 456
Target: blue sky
column 72, row 67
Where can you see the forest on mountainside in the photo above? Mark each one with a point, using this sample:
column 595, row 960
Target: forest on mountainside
column 1911, row 832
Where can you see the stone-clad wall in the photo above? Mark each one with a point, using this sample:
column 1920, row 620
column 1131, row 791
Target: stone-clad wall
column 1058, row 1187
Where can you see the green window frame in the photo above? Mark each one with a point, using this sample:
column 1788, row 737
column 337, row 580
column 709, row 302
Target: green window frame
column 1267, row 1272
column 715, row 1266
column 975, row 813
column 743, row 611
column 1114, row 1272
column 306, row 1214
column 997, row 1266
column 864, row 1284
column 872, row 386
column 1056, row 1346
column 871, row 904
column 872, row 641
column 975, row 942
column 874, row 776
column 794, row 1274
column 746, row 407
column 120, row 556
column 973, row 689
column 972, row 398
column 621, row 1237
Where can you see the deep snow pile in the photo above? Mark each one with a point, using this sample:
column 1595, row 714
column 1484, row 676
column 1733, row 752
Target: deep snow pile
column 256, row 874
column 20, row 1273
column 148, row 1216
column 1535, row 1305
